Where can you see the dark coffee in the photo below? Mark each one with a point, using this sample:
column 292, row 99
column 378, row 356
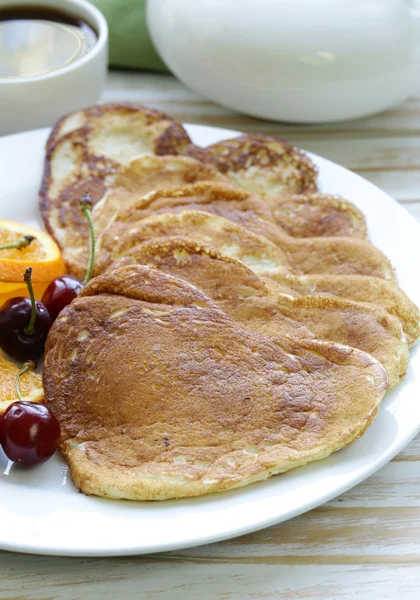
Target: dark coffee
column 37, row 40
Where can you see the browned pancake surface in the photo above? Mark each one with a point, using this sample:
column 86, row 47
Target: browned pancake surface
column 145, row 174
column 249, row 158
column 189, row 402
column 265, row 258
column 317, row 215
column 358, row 288
column 286, row 177
column 84, row 152
column 106, row 119
column 312, row 255
column 245, row 298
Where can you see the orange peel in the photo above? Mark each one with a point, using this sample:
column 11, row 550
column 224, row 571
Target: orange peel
column 30, row 385
column 42, row 254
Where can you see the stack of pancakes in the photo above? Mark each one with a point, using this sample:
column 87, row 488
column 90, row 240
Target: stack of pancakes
column 239, row 323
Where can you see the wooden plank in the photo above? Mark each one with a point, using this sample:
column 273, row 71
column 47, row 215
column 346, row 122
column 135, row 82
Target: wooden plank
column 328, row 534
column 365, row 153
column 166, row 93
column 350, row 148
column 40, row 578
column 396, row 484
column 411, row 452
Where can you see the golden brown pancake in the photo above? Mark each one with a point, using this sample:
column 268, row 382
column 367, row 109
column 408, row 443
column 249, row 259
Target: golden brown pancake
column 228, row 282
column 261, row 164
column 317, row 215
column 84, row 152
column 197, row 403
column 243, row 297
column 144, row 174
column 267, row 166
column 353, row 287
column 139, row 177
column 286, row 177
column 265, row 259
column 124, row 120
column 225, row 235
column 213, row 197
column 347, row 256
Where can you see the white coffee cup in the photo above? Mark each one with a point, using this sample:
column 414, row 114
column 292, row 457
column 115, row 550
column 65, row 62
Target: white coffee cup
column 32, row 102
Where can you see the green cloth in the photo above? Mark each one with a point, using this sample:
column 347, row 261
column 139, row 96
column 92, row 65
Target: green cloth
column 129, row 41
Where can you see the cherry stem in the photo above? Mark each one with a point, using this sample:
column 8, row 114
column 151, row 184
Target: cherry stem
column 22, row 242
column 29, row 329
column 86, row 204
column 28, row 366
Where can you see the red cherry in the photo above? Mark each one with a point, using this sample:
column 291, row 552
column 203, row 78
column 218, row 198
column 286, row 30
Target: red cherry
column 60, row 293
column 63, row 290
column 30, row 433
column 24, row 326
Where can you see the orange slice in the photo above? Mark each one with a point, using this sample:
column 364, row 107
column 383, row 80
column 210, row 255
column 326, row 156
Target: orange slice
column 30, row 385
column 42, row 254
column 11, row 290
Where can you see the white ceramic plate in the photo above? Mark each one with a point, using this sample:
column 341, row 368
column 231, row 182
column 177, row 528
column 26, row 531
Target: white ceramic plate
column 40, row 510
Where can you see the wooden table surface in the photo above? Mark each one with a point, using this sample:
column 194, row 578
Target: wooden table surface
column 364, row 544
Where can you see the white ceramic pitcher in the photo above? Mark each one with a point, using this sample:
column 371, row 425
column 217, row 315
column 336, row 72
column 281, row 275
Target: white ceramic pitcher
column 292, row 60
